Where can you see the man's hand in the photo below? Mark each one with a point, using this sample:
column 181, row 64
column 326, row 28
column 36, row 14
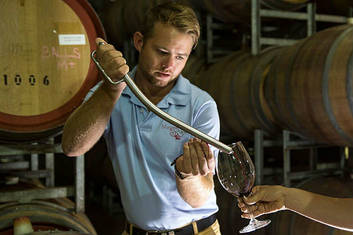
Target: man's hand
column 262, row 200
column 113, row 63
column 197, row 159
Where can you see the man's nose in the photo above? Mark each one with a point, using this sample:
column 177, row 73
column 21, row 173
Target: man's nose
column 168, row 62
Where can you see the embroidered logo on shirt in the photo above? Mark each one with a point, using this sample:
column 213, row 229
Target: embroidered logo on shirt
column 173, row 131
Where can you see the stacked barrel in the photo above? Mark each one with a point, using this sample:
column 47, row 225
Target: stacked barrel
column 248, row 88
column 309, row 88
column 306, row 88
column 122, row 18
column 45, row 64
column 46, row 71
column 46, row 215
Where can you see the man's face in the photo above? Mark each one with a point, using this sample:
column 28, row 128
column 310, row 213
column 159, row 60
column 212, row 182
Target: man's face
column 164, row 54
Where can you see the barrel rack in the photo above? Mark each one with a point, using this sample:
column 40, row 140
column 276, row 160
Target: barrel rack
column 213, row 53
column 49, row 149
column 310, row 16
column 290, row 140
column 293, row 141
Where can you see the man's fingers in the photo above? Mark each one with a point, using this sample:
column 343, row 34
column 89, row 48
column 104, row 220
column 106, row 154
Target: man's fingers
column 103, row 47
column 111, row 60
column 115, row 54
column 107, row 53
column 206, row 158
column 207, row 151
column 202, row 162
column 186, row 159
column 197, row 158
column 194, row 157
column 116, row 61
column 211, row 161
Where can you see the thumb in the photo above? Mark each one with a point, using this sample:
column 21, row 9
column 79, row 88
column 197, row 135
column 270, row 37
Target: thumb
column 254, row 196
column 100, row 41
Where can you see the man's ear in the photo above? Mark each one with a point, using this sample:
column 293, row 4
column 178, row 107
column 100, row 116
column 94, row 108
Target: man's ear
column 138, row 41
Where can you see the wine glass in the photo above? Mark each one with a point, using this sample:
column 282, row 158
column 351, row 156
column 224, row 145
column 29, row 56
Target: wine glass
column 236, row 173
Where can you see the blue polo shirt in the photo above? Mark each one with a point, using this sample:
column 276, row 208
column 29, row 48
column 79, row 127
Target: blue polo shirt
column 142, row 146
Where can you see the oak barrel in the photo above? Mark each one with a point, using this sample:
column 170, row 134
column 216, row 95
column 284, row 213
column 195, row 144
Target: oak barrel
column 193, row 68
column 45, row 64
column 44, row 214
column 230, row 11
column 336, row 7
column 287, row 222
column 236, row 83
column 289, row 5
column 309, row 87
column 123, row 18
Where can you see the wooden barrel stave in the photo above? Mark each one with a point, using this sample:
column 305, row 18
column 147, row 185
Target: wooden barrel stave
column 289, row 5
column 310, row 92
column 123, row 18
column 258, row 76
column 216, row 80
column 193, row 68
column 305, row 85
column 338, row 87
column 246, row 95
column 236, row 83
column 231, row 121
column 46, row 67
column 112, row 18
column 276, row 89
column 337, row 7
column 287, row 222
column 230, row 11
column 49, row 214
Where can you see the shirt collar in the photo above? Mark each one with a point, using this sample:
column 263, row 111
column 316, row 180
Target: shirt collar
column 179, row 95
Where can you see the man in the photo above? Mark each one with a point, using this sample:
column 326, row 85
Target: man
column 156, row 196
column 335, row 212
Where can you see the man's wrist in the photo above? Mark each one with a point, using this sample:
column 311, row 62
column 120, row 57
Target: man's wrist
column 112, row 91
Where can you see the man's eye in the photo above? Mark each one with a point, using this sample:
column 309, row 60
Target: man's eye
column 180, row 57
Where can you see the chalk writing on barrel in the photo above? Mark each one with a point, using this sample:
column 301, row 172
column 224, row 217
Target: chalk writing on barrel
column 64, row 54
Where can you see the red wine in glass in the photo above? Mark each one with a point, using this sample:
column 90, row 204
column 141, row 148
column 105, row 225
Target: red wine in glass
column 236, row 173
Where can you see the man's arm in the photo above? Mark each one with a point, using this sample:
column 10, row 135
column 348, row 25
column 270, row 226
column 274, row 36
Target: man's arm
column 336, row 212
column 86, row 124
column 198, row 161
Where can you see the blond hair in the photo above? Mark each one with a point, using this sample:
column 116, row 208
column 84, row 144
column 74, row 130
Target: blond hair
column 175, row 14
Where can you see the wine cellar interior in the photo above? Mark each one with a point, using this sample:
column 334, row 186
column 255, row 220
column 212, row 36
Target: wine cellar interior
column 280, row 72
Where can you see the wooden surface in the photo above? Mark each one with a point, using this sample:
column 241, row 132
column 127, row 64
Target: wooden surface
column 287, row 222
column 309, row 87
column 54, row 214
column 44, row 61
